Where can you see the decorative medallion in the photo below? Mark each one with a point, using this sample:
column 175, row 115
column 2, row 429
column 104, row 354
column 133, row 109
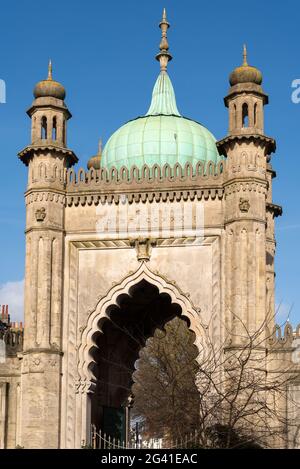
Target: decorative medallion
column 244, row 205
column 40, row 214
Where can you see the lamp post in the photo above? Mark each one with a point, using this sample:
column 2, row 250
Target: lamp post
column 128, row 406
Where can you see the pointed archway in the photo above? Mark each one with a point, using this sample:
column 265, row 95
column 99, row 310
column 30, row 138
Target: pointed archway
column 116, row 331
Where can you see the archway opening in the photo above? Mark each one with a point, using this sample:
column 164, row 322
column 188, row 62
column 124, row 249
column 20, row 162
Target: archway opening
column 54, row 128
column 44, row 128
column 135, row 317
column 245, row 115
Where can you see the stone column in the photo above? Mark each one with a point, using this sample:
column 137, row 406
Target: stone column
column 245, row 224
column 41, row 365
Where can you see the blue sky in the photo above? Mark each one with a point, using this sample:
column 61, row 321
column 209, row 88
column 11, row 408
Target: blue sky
column 103, row 53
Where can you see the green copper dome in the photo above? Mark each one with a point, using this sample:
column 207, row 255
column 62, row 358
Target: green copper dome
column 162, row 135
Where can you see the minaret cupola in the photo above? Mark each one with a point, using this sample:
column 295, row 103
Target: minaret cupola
column 245, row 102
column 246, row 99
column 245, row 73
column 49, row 115
column 49, row 87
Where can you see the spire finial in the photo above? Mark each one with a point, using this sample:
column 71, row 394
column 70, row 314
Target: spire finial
column 245, row 55
column 164, row 55
column 164, row 15
column 50, row 70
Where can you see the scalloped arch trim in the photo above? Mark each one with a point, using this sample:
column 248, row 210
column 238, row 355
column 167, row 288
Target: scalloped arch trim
column 164, row 286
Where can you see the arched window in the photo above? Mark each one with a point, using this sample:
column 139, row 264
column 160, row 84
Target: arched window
column 245, row 115
column 44, row 128
column 255, row 114
column 54, row 130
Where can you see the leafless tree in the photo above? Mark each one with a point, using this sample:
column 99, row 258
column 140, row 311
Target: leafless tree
column 233, row 393
column 166, row 395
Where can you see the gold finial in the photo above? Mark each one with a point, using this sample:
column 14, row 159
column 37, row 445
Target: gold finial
column 245, row 55
column 50, row 70
column 164, row 55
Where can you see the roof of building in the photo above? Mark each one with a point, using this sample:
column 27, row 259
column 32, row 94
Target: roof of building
column 162, row 135
column 49, row 87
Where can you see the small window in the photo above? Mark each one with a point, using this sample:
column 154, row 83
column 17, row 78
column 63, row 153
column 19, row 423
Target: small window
column 245, row 114
column 54, row 130
column 44, row 128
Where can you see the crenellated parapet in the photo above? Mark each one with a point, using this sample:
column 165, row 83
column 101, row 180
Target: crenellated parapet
column 202, row 181
column 288, row 337
column 147, row 183
column 146, row 175
column 209, row 171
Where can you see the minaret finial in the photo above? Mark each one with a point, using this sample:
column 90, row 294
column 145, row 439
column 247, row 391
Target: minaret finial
column 164, row 55
column 245, row 55
column 164, row 16
column 50, row 70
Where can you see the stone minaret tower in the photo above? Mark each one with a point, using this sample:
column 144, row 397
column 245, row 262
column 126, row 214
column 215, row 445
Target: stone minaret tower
column 46, row 157
column 249, row 271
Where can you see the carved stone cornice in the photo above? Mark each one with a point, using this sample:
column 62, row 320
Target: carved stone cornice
column 228, row 142
column 102, row 196
column 27, row 153
column 246, row 185
column 32, row 196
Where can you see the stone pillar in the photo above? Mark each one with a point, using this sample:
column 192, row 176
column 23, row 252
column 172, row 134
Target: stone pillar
column 47, row 158
column 42, row 355
column 247, row 189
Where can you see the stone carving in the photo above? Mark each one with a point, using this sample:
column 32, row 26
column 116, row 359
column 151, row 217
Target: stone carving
column 45, row 197
column 244, row 205
column 40, row 214
column 143, row 248
column 78, row 198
